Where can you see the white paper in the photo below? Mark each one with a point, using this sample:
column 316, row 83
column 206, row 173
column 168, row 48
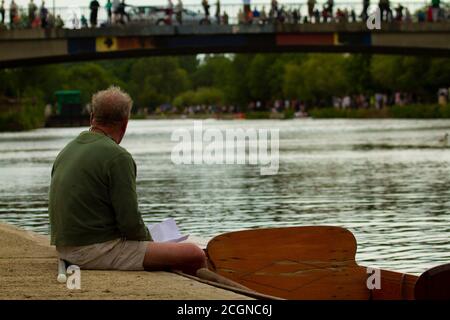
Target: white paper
column 166, row 231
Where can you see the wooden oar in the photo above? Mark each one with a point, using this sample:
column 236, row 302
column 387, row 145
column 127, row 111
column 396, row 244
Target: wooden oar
column 210, row 278
column 209, row 275
column 292, row 263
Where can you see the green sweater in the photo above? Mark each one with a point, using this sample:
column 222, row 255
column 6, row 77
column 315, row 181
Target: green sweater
column 435, row 3
column 93, row 193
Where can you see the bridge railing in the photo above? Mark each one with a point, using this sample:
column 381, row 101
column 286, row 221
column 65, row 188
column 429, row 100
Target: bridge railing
column 71, row 13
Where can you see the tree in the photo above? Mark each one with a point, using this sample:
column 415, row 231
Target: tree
column 157, row 80
column 358, row 71
column 438, row 75
column 318, row 77
column 401, row 73
column 88, row 78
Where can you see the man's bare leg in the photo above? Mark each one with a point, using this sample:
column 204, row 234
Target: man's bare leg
column 186, row 257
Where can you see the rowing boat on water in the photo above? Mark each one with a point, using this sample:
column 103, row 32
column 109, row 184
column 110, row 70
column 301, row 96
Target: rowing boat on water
column 315, row 263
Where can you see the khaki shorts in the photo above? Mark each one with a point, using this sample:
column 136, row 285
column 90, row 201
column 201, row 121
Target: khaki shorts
column 116, row 254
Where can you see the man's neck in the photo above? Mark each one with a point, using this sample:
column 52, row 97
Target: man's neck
column 106, row 131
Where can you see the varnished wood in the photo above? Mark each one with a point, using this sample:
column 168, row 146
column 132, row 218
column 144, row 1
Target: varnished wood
column 395, row 286
column 434, row 284
column 302, row 263
column 292, row 263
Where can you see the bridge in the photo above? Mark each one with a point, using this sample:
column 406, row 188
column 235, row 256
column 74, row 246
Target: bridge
column 36, row 46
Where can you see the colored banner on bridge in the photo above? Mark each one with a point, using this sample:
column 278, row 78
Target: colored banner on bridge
column 105, row 44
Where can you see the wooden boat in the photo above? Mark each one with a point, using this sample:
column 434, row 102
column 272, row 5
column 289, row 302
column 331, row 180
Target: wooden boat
column 314, row 263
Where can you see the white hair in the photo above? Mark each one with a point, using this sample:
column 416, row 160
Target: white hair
column 111, row 106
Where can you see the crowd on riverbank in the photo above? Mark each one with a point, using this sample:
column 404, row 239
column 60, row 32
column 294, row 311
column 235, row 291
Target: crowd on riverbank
column 118, row 12
column 298, row 108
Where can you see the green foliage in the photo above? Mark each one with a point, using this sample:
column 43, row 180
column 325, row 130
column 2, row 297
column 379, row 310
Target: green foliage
column 318, row 76
column 206, row 96
column 88, row 78
column 358, row 73
column 157, row 80
column 26, row 115
column 438, row 74
column 332, row 113
column 403, row 73
column 289, row 113
column 239, row 79
column 257, row 115
column 420, row 111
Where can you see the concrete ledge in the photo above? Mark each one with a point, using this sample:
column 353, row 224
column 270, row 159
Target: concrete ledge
column 28, row 270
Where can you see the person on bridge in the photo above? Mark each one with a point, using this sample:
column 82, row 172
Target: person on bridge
column 94, row 218
column 122, row 12
column 32, row 8
column 94, row 5
column 169, row 12
column 247, row 11
column 274, row 6
column 435, row 9
column 179, row 12
column 2, row 12
column 43, row 14
column 330, row 6
column 115, row 10
column 205, row 6
column 399, row 12
column 365, row 13
column 217, row 15
column 59, row 23
column 385, row 10
column 108, row 8
column 263, row 15
column 84, row 22
column 273, row 12
column 256, row 16
column 311, row 5
column 225, row 18
column 13, row 14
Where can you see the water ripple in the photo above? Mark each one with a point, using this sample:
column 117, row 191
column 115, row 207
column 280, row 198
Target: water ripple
column 386, row 181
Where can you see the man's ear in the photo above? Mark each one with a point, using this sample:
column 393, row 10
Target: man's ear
column 124, row 125
column 123, row 129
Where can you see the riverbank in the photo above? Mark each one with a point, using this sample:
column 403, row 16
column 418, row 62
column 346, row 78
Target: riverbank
column 418, row 111
column 28, row 270
column 21, row 115
column 217, row 116
column 31, row 116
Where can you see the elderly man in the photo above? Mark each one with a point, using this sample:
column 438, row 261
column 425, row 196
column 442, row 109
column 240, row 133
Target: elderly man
column 93, row 208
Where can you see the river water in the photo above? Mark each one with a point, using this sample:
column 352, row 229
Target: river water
column 385, row 180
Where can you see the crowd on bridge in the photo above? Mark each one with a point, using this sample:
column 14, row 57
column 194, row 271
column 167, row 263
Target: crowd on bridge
column 35, row 16
column 327, row 12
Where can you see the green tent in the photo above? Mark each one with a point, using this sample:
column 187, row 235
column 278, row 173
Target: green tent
column 68, row 102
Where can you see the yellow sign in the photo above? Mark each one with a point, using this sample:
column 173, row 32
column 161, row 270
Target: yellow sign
column 104, row 44
column 336, row 39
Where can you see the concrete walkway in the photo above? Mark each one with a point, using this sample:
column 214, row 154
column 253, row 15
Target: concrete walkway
column 28, row 270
